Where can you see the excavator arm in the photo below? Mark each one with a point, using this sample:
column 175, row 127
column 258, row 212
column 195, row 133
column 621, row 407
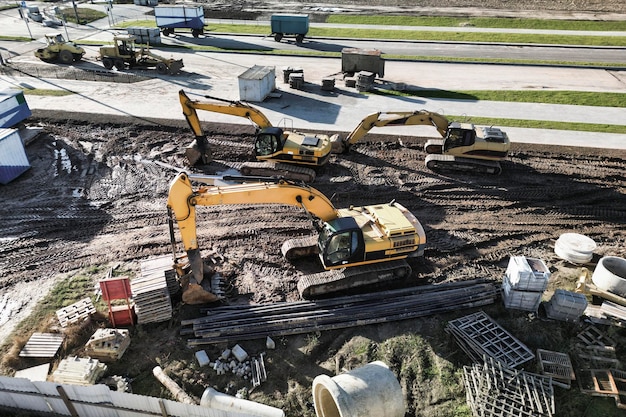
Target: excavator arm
column 199, row 149
column 382, row 119
column 183, row 199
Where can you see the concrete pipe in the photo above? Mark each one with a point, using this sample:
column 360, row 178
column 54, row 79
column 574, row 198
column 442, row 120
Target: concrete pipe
column 610, row 275
column 369, row 391
column 219, row 401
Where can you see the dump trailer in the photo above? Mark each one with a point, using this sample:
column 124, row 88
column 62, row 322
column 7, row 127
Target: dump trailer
column 123, row 54
column 290, row 25
column 169, row 18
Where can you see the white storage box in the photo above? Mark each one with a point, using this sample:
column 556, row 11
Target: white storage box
column 527, row 274
column 520, row 300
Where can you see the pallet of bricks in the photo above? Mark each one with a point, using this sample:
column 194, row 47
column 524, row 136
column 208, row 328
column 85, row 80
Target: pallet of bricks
column 524, row 283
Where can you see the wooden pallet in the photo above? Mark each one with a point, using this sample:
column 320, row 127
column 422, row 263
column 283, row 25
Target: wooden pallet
column 79, row 371
column 108, row 344
column 76, row 312
column 150, row 291
column 604, row 383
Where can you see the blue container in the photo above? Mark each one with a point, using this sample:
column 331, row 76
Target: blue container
column 289, row 25
column 13, row 108
column 13, row 159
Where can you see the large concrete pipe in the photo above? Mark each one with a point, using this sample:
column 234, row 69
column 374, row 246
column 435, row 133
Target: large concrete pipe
column 610, row 275
column 369, row 391
column 219, row 401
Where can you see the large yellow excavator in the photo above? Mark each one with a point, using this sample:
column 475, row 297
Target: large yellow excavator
column 289, row 154
column 356, row 246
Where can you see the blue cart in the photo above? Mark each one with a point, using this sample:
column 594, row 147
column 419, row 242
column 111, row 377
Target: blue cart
column 169, row 18
column 290, row 25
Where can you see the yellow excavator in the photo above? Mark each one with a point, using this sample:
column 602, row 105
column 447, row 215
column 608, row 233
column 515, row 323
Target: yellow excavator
column 466, row 147
column 356, row 246
column 289, row 154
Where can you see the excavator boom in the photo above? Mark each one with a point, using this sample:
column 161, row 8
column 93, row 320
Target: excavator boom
column 382, row 119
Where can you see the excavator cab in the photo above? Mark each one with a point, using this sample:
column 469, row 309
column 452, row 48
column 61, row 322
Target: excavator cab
column 269, row 141
column 341, row 242
column 458, row 136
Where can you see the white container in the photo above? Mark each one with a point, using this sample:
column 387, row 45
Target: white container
column 202, row 358
column 566, row 305
column 256, row 83
column 520, row 300
column 527, row 274
column 369, row 391
column 239, row 353
column 610, row 275
column 575, row 248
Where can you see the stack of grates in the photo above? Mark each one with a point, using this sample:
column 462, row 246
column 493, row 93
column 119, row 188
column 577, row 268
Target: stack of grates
column 524, row 282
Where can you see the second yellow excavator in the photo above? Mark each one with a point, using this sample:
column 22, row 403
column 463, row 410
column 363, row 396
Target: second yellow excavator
column 356, row 246
column 289, row 154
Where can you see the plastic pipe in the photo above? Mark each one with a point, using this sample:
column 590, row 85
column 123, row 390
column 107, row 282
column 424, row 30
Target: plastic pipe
column 369, row 391
column 219, row 401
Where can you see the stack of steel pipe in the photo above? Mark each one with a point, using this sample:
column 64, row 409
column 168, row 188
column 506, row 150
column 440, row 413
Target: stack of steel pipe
column 232, row 323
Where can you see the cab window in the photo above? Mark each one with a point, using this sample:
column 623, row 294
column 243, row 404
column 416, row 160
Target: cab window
column 266, row 144
column 340, row 247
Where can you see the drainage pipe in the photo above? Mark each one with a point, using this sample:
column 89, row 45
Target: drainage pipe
column 610, row 275
column 369, row 391
column 219, row 401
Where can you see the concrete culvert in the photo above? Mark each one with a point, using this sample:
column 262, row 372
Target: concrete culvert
column 369, row 391
column 610, row 275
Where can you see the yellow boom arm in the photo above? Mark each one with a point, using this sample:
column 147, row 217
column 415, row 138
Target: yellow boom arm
column 234, row 108
column 182, row 201
column 381, row 119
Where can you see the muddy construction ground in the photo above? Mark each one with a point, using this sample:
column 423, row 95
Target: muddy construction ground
column 94, row 200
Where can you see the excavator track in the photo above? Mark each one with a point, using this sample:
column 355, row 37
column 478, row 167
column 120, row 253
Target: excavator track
column 327, row 282
column 450, row 163
column 271, row 169
column 300, row 247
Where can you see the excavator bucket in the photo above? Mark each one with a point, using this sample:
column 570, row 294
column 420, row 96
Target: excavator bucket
column 198, row 293
column 195, row 154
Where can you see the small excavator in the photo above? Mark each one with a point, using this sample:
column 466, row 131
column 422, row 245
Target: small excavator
column 293, row 155
column 356, row 246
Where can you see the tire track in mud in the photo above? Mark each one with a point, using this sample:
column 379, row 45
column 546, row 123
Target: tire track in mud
column 110, row 206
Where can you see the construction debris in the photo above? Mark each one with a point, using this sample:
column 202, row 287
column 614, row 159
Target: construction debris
column 566, row 305
column 604, row 383
column 557, row 365
column 479, row 337
column 524, row 282
column 575, row 248
column 76, row 312
column 79, row 371
column 42, row 345
column 242, row 322
column 493, row 389
column 108, row 344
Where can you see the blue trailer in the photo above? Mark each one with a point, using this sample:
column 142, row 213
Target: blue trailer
column 290, row 25
column 169, row 18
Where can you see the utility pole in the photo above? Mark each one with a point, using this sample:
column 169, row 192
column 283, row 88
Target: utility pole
column 76, row 12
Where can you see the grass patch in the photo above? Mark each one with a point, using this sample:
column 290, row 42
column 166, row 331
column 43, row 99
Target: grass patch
column 46, row 92
column 479, row 22
column 542, row 124
column 575, row 98
column 82, row 15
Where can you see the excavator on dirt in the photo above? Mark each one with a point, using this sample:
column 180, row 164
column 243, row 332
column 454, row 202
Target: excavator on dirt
column 356, row 246
column 289, row 154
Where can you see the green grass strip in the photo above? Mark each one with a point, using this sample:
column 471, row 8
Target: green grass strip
column 575, row 98
column 541, row 124
column 479, row 22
